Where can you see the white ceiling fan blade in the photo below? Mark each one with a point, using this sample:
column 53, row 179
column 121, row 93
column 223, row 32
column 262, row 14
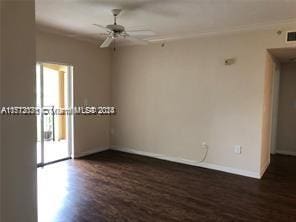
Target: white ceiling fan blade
column 141, row 32
column 107, row 42
column 137, row 41
column 102, row 27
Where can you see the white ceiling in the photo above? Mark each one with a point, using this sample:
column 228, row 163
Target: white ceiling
column 166, row 18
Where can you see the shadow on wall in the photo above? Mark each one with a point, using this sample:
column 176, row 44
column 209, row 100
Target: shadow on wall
column 284, row 101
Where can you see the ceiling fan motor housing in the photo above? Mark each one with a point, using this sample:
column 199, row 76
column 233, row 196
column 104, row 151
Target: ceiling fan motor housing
column 118, row 29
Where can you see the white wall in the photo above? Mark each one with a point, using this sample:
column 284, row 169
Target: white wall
column 18, row 160
column 172, row 99
column 91, row 82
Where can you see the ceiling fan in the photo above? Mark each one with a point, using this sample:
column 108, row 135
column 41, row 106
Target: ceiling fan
column 115, row 31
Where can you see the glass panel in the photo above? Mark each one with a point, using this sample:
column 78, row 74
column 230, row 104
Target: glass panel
column 55, row 143
column 51, row 93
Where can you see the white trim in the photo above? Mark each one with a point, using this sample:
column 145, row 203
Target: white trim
column 223, row 31
column 286, row 152
column 191, row 162
column 42, row 114
column 264, row 168
column 54, row 63
column 70, row 104
column 90, row 151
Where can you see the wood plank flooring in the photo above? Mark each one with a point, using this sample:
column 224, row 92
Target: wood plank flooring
column 115, row 186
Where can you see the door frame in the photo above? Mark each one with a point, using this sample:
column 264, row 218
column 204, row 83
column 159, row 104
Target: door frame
column 69, row 104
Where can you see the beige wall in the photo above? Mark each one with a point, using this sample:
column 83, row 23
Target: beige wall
column 286, row 133
column 91, row 84
column 18, row 133
column 172, row 99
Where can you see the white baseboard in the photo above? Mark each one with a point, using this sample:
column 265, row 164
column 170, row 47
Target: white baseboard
column 90, row 151
column 286, row 152
column 264, row 168
column 246, row 173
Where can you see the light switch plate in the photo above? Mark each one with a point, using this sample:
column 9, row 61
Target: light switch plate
column 238, row 149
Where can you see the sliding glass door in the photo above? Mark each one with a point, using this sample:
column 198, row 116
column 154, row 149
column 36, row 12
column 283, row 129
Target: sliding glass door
column 54, row 129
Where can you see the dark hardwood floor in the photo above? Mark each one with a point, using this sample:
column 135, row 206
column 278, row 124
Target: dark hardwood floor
column 114, row 186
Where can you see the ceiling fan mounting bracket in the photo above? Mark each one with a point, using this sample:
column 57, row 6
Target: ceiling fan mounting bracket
column 116, row 12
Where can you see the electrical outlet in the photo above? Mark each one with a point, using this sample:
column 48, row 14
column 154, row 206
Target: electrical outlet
column 237, row 149
column 112, row 131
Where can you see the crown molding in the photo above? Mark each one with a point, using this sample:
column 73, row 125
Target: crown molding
column 238, row 29
column 176, row 36
column 64, row 33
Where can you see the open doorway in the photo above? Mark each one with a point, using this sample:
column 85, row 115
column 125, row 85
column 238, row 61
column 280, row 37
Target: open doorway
column 283, row 118
column 54, row 127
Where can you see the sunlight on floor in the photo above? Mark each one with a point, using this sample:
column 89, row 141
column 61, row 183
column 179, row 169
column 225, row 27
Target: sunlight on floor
column 52, row 191
column 53, row 150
